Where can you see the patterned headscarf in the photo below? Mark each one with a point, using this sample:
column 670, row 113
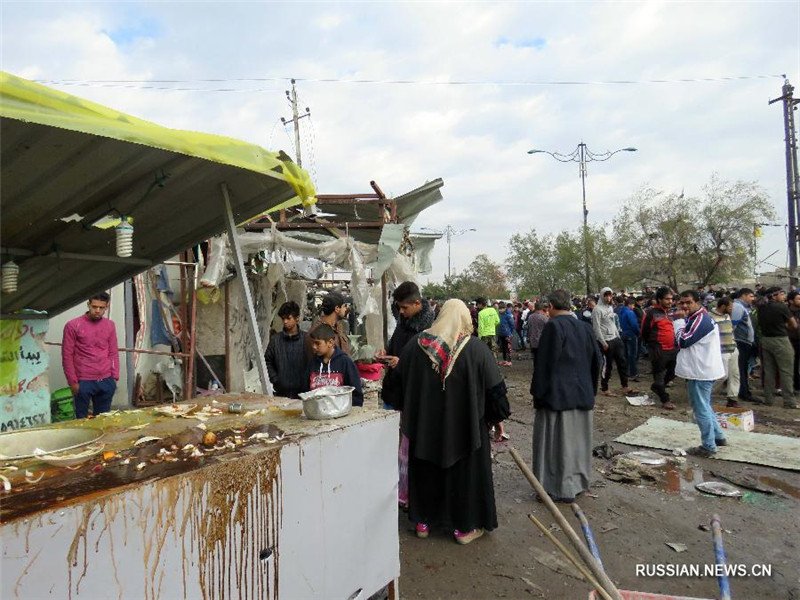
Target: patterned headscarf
column 446, row 338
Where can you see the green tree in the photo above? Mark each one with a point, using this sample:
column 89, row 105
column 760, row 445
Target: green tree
column 482, row 277
column 675, row 239
column 437, row 291
column 538, row 265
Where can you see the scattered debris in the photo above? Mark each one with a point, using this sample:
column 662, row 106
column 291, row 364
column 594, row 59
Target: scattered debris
column 6, row 483
column 608, row 527
column 141, row 466
column 137, row 427
column 646, row 457
column 109, row 455
column 145, row 439
column 29, row 477
column 175, row 410
column 679, row 452
column 718, row 488
column 554, row 563
column 643, row 400
column 745, row 481
column 210, row 438
column 606, row 451
column 626, row 470
column 677, row 547
column 533, row 586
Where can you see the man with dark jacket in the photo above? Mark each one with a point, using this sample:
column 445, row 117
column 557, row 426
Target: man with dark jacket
column 563, row 387
column 413, row 314
column 286, row 356
column 659, row 335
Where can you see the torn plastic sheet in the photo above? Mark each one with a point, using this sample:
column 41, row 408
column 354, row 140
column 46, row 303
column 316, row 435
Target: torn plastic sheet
column 309, row 268
column 170, row 369
column 218, row 257
column 423, row 248
column 389, row 244
column 344, row 253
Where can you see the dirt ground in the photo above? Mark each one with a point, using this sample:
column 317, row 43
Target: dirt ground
column 631, row 523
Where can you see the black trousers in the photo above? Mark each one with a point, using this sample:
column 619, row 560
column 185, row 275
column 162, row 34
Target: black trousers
column 745, row 352
column 663, row 364
column 615, row 354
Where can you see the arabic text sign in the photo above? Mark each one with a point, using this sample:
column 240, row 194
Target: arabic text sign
column 24, row 389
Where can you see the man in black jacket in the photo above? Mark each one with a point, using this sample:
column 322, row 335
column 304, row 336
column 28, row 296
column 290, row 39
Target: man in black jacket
column 285, row 356
column 563, row 387
column 413, row 314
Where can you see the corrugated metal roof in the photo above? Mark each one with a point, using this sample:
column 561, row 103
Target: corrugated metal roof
column 61, row 155
column 409, row 206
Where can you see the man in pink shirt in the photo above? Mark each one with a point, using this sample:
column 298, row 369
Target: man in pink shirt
column 90, row 358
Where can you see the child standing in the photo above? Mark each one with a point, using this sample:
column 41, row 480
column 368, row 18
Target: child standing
column 330, row 365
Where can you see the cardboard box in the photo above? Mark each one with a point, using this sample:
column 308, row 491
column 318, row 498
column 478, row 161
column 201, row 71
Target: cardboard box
column 741, row 419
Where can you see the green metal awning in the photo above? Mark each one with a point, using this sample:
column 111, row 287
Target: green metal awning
column 62, row 156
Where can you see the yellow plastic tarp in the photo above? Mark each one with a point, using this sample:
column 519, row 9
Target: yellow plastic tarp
column 31, row 102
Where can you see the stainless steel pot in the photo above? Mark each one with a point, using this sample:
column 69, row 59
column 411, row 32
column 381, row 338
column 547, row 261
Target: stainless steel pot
column 329, row 402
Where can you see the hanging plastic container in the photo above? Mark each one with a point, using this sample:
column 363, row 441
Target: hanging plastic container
column 124, row 239
column 10, row 274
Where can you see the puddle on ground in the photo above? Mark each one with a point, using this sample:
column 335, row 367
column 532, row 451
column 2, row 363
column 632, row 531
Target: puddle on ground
column 787, row 489
column 677, row 479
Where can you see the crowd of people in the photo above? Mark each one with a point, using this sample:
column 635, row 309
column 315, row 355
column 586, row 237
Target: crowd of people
column 443, row 375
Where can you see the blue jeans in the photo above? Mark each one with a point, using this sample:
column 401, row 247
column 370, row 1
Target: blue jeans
column 700, row 398
column 632, row 354
column 99, row 392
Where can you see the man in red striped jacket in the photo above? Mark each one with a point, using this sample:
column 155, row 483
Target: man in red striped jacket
column 659, row 336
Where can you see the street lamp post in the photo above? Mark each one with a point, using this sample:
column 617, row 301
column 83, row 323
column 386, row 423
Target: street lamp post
column 449, row 232
column 583, row 155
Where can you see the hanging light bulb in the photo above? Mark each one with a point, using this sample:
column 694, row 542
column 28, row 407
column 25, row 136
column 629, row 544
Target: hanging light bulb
column 124, row 238
column 10, row 273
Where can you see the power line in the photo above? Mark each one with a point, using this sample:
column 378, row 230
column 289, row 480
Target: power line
column 129, row 83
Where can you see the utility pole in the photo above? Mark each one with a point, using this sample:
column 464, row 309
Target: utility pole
column 792, row 175
column 583, row 155
column 295, row 120
column 449, row 232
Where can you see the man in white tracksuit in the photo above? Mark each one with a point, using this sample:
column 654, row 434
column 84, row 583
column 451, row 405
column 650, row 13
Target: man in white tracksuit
column 700, row 363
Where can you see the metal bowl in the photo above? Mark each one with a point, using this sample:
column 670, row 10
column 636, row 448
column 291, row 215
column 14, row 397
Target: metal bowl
column 329, row 402
column 22, row 443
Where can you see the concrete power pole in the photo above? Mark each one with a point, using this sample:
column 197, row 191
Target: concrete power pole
column 295, row 120
column 792, row 175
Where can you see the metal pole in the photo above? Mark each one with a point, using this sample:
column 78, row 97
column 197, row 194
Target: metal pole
column 582, row 150
column 192, row 334
column 130, row 341
column 238, row 261
column 296, row 119
column 791, row 190
column 792, row 181
column 449, row 231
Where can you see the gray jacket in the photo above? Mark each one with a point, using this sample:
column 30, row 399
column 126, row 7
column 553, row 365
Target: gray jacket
column 604, row 320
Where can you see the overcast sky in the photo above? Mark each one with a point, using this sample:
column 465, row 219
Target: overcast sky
column 519, row 56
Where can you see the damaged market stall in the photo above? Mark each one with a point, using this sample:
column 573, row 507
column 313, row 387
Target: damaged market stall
column 363, row 237
column 277, row 512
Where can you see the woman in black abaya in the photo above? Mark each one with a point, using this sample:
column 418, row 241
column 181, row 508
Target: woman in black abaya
column 453, row 393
